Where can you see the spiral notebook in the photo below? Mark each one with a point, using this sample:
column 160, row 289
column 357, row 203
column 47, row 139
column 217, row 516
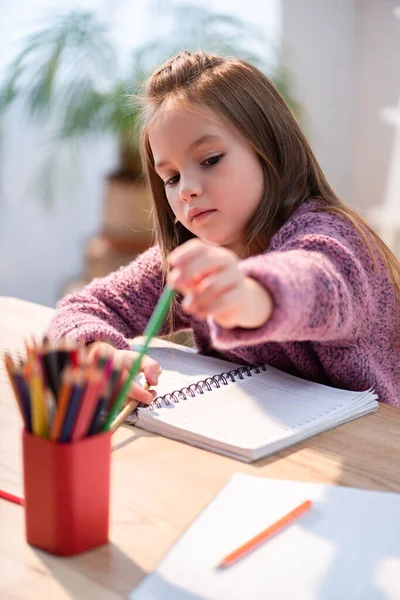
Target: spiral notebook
column 347, row 546
column 245, row 412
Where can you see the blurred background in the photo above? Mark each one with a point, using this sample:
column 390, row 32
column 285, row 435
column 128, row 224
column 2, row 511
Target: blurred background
column 72, row 203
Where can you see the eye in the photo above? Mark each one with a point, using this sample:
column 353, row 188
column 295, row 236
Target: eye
column 171, row 180
column 213, row 160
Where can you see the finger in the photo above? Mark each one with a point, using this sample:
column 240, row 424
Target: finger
column 148, row 365
column 123, row 359
column 100, row 350
column 151, row 369
column 185, row 279
column 209, row 290
column 131, row 395
column 136, row 392
column 223, row 310
column 189, row 253
column 226, row 308
column 188, row 276
column 186, row 251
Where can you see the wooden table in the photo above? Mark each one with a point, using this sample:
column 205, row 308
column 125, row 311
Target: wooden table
column 159, row 486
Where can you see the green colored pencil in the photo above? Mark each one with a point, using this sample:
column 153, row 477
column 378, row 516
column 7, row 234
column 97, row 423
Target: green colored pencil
column 153, row 327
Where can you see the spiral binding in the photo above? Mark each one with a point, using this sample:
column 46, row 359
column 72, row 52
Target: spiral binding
column 207, row 384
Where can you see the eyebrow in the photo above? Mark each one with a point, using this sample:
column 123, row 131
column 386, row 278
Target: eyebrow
column 208, row 137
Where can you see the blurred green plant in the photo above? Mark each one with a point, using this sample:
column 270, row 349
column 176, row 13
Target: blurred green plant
column 69, row 73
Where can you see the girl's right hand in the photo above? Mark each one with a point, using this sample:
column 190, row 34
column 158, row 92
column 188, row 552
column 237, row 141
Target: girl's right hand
column 124, row 359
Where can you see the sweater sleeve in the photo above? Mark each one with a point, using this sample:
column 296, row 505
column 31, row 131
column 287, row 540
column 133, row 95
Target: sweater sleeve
column 113, row 308
column 319, row 287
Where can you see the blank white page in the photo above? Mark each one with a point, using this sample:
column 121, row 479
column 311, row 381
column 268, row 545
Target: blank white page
column 347, row 546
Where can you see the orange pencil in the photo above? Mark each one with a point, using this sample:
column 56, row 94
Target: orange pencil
column 264, row 535
column 28, row 349
column 62, row 403
column 34, row 345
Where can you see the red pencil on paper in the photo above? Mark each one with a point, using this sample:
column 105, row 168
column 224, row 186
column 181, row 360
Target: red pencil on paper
column 264, row 535
column 11, row 498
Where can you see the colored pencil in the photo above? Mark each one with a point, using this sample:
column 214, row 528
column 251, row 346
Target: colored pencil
column 259, row 539
column 51, row 406
column 29, row 351
column 88, row 404
column 11, row 497
column 117, row 383
column 10, row 368
column 78, row 388
column 50, row 365
column 38, row 407
column 127, row 410
column 62, row 403
column 97, row 423
column 153, row 327
column 74, row 357
column 55, row 358
column 23, row 390
column 60, row 395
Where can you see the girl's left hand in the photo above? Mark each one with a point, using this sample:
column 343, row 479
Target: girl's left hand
column 213, row 285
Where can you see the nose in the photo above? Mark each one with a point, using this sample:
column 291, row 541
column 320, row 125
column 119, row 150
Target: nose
column 190, row 187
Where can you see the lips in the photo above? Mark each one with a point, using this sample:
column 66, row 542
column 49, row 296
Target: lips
column 196, row 212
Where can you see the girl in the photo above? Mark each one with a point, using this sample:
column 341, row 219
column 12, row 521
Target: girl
column 270, row 266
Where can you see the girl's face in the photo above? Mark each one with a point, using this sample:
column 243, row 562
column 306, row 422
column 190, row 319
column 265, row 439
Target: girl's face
column 213, row 179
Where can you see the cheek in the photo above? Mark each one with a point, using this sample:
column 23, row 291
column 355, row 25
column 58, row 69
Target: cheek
column 172, row 199
column 257, row 187
column 176, row 205
column 256, row 181
column 245, row 185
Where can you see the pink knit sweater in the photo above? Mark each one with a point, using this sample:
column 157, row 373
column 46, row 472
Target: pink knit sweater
column 333, row 320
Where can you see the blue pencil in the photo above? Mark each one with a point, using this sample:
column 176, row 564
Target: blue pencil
column 98, row 417
column 23, row 391
column 72, row 411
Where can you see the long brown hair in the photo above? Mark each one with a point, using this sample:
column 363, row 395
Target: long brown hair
column 246, row 99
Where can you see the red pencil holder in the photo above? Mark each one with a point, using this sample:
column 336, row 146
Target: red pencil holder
column 67, row 493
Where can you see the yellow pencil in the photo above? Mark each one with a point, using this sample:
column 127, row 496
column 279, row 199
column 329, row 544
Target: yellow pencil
column 40, row 424
column 127, row 410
